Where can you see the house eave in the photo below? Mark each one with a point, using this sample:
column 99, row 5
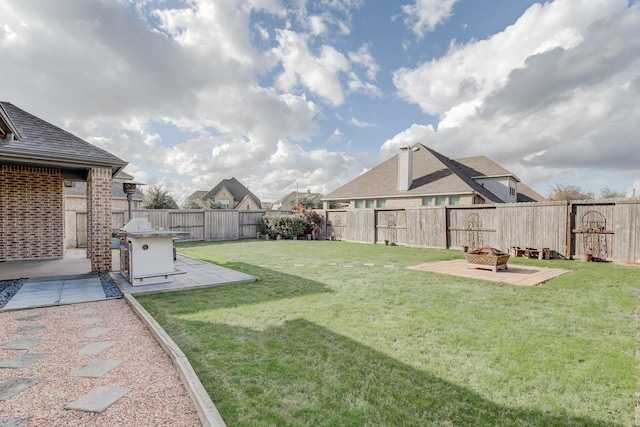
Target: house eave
column 55, row 162
column 403, row 196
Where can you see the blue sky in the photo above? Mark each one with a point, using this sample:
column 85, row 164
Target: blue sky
column 286, row 93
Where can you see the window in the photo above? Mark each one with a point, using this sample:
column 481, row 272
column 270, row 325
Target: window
column 454, row 200
column 359, row 204
column 224, row 203
column 381, row 203
column 427, row 201
column 441, row 200
column 370, row 203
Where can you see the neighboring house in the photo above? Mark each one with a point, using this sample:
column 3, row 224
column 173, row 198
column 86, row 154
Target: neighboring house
column 197, row 197
column 36, row 158
column 230, row 194
column 75, row 201
column 420, row 176
column 295, row 197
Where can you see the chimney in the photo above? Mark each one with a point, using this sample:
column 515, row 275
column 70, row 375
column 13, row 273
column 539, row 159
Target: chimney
column 405, row 164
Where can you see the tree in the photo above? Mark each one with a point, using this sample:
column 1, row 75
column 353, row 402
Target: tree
column 568, row 193
column 158, row 198
column 215, row 205
column 610, row 193
column 191, row 204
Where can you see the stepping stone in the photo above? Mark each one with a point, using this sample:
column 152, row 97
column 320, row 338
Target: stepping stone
column 96, row 332
column 96, row 369
column 25, row 343
column 13, row 386
column 22, row 360
column 33, row 317
column 27, row 330
column 90, row 320
column 95, row 348
column 98, row 399
column 87, row 311
column 13, row 422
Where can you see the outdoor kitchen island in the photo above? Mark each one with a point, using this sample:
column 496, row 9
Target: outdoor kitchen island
column 147, row 255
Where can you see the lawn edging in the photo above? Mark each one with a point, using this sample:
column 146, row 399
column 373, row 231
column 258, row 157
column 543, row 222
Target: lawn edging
column 207, row 411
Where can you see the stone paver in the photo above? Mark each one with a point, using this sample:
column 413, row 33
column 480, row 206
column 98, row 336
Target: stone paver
column 98, row 399
column 13, row 422
column 27, row 329
column 13, row 386
column 22, row 360
column 33, row 317
column 97, row 369
column 87, row 311
column 95, row 348
column 96, row 332
column 90, row 320
column 516, row 275
column 25, row 343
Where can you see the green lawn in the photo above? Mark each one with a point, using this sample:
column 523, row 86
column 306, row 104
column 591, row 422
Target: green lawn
column 341, row 334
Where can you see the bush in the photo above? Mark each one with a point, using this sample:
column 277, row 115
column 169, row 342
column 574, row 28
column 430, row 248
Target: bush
column 290, row 226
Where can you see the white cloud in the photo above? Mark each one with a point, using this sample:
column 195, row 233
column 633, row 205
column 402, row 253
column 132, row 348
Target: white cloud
column 470, row 72
column 559, row 105
column 320, row 73
column 424, row 15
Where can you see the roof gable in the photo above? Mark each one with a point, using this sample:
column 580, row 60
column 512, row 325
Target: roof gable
column 433, row 174
column 237, row 190
column 40, row 142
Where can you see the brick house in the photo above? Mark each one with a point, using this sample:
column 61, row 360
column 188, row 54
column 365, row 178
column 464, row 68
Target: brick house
column 230, row 194
column 419, row 176
column 36, row 159
column 75, row 204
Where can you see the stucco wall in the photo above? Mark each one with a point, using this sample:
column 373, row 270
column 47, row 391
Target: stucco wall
column 31, row 213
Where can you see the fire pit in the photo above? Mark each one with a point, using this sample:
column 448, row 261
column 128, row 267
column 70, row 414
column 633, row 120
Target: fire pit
column 487, row 258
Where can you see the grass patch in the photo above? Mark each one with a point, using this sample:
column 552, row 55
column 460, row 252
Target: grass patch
column 341, row 334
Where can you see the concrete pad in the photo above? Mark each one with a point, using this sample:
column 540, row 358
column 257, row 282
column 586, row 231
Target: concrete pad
column 90, row 320
column 24, row 330
column 13, row 386
column 97, row 369
column 96, row 332
column 95, row 348
column 25, row 343
column 22, row 360
column 516, row 275
column 98, row 399
column 13, row 422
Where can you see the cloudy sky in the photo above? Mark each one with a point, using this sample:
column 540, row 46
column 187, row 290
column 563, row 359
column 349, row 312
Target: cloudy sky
column 286, row 94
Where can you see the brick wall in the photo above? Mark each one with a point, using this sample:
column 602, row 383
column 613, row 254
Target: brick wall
column 99, row 219
column 31, row 213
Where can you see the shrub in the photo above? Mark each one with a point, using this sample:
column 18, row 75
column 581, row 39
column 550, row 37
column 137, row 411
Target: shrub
column 292, row 225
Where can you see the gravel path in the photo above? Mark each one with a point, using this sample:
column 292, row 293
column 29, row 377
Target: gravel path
column 158, row 397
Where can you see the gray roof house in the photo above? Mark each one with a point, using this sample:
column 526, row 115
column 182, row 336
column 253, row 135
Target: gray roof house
column 420, row 176
column 36, row 158
column 229, row 193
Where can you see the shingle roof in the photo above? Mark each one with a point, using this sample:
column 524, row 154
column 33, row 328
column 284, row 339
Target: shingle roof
column 43, row 143
column 237, row 190
column 198, row 194
column 433, row 174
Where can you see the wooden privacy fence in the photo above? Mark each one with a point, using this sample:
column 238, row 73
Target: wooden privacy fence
column 607, row 229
